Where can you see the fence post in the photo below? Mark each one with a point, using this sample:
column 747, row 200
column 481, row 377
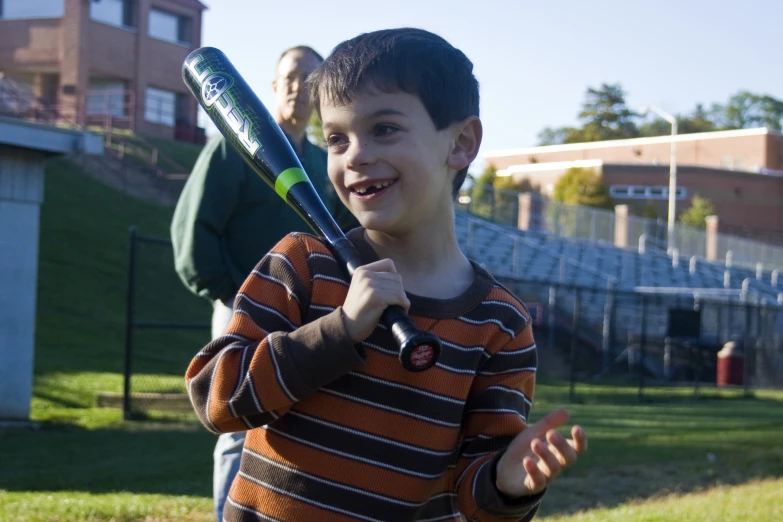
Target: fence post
column 642, row 345
column 621, row 226
column 606, row 344
column 745, row 289
column 759, row 271
column 515, row 268
column 775, row 274
column 711, row 246
column 692, row 267
column 675, row 258
column 746, row 352
column 642, row 243
column 574, row 341
column 552, row 316
column 129, row 316
column 492, row 204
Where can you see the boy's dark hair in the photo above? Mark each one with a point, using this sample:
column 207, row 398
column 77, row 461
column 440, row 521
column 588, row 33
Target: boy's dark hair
column 410, row 60
column 303, row 49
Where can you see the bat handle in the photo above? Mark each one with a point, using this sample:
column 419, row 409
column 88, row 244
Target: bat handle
column 419, row 350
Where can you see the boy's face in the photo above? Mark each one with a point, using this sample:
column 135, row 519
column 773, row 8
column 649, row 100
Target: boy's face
column 387, row 161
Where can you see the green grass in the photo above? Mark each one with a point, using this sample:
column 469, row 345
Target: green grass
column 82, row 286
column 53, row 506
column 175, row 157
column 672, row 457
column 757, row 501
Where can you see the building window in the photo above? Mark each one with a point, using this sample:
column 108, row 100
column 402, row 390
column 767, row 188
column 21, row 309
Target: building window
column 170, row 27
column 19, row 9
column 106, row 98
column 644, row 192
column 160, row 106
column 113, row 12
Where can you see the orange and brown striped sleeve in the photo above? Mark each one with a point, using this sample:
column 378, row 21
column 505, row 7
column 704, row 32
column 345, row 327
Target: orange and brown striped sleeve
column 269, row 358
column 496, row 411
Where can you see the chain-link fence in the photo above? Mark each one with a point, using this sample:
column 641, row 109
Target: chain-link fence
column 657, row 338
column 584, row 333
column 165, row 325
column 582, row 222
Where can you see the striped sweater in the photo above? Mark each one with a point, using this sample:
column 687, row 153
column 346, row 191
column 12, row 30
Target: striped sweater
column 339, row 431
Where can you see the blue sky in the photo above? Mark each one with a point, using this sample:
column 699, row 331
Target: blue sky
column 534, row 59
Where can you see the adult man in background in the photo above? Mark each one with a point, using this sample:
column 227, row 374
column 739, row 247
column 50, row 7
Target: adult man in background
column 227, row 218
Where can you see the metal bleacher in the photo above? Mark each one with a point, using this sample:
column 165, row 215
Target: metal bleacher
column 553, row 270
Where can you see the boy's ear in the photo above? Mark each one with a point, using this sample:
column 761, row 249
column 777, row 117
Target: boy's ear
column 467, row 140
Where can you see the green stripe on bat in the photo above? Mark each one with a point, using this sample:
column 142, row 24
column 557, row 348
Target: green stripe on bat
column 289, row 178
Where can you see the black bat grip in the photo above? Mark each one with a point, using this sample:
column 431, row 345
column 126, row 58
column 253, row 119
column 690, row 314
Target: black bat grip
column 419, row 350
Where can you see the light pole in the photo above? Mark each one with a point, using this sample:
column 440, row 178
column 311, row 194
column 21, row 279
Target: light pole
column 672, row 171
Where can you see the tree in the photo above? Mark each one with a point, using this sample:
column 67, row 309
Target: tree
column 315, row 130
column 746, row 110
column 605, row 116
column 697, row 213
column 581, row 186
column 482, row 197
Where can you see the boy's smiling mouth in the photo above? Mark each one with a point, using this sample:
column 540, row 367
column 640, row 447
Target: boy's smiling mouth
column 370, row 188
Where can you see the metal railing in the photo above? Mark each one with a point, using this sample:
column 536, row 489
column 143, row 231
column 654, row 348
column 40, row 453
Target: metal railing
column 108, row 112
column 598, row 225
column 138, row 386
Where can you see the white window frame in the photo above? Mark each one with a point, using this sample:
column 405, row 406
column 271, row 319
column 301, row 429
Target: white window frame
column 102, row 6
column 645, row 192
column 178, row 19
column 156, row 113
column 56, row 9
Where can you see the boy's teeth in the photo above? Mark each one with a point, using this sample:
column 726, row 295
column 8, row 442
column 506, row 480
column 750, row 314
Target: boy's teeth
column 378, row 186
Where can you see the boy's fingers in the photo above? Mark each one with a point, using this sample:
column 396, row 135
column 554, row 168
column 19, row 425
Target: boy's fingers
column 534, row 473
column 521, row 444
column 579, row 440
column 550, row 421
column 564, row 452
column 549, row 464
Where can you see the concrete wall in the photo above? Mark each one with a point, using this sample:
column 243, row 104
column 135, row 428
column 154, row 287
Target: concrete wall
column 21, row 193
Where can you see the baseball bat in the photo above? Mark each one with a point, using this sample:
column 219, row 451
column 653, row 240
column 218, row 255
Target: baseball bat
column 247, row 125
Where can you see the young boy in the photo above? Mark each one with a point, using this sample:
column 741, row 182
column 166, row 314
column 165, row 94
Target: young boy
column 338, row 430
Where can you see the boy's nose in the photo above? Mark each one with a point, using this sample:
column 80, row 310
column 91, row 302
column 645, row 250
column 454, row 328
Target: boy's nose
column 359, row 154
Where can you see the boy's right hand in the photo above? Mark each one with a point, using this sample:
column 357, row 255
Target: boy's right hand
column 374, row 287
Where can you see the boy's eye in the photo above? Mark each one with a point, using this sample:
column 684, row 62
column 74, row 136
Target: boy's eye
column 385, row 129
column 335, row 140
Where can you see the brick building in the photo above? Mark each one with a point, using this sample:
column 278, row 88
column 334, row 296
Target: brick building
column 105, row 60
column 740, row 172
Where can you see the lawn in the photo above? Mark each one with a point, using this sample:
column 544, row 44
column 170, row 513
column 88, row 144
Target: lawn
column 672, row 458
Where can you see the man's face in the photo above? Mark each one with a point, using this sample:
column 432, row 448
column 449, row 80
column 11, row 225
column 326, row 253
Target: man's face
column 291, row 96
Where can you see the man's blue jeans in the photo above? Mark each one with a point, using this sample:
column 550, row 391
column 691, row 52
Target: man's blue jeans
column 228, row 450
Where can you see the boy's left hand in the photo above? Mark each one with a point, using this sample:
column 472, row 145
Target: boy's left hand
column 537, row 455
